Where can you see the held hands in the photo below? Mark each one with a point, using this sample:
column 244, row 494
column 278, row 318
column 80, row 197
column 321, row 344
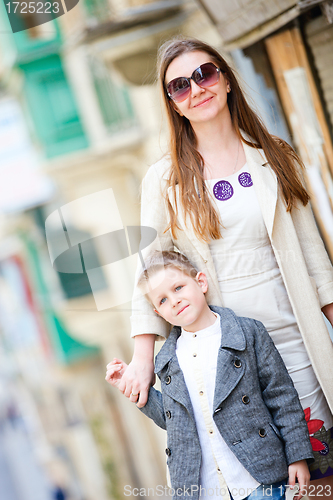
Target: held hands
column 300, row 471
column 137, row 380
column 139, row 375
column 126, row 378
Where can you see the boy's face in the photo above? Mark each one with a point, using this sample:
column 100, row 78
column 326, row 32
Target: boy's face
column 180, row 299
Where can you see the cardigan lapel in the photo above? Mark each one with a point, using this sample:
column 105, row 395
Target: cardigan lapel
column 186, row 225
column 265, row 184
column 200, row 246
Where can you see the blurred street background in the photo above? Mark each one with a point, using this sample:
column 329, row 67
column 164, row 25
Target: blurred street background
column 80, row 123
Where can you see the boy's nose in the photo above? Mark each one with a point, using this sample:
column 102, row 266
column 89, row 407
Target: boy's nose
column 175, row 301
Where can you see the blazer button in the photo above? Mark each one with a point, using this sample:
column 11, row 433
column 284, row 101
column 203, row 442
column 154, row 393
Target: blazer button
column 168, row 452
column 262, row 433
column 246, row 400
column 168, row 380
column 168, row 413
column 237, row 363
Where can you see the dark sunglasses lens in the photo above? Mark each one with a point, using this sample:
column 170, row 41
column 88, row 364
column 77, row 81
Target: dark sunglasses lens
column 206, row 75
column 178, row 89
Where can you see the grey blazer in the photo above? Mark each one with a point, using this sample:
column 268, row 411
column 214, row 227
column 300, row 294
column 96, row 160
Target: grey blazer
column 266, row 431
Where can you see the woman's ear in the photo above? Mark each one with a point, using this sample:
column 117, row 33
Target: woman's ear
column 174, row 105
column 228, row 86
column 227, row 83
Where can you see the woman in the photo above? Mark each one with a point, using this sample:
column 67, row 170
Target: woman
column 231, row 198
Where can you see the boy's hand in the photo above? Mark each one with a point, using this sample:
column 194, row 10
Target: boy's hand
column 300, row 471
column 114, row 371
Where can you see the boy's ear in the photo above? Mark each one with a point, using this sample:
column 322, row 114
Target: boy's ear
column 201, row 279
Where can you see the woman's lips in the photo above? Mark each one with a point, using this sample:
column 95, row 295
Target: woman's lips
column 182, row 310
column 203, row 102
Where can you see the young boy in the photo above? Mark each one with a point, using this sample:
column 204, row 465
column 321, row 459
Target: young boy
column 235, row 426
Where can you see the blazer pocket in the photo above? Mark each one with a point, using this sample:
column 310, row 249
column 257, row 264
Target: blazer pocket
column 276, row 430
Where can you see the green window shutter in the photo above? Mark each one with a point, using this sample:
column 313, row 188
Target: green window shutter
column 114, row 100
column 66, row 348
column 52, row 106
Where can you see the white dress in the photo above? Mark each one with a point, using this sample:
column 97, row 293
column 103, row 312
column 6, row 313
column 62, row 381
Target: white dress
column 251, row 285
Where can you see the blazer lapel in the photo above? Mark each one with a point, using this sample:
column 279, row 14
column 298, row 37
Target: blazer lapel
column 229, row 371
column 176, row 389
column 265, row 184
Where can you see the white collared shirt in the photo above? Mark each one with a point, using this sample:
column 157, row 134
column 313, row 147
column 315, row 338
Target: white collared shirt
column 197, row 356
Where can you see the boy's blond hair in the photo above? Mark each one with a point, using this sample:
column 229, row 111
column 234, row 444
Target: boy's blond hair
column 164, row 260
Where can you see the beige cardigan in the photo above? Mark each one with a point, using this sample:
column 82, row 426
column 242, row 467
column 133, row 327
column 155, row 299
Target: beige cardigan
column 299, row 251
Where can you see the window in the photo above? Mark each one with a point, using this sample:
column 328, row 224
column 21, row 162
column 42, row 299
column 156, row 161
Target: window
column 114, row 100
column 52, row 106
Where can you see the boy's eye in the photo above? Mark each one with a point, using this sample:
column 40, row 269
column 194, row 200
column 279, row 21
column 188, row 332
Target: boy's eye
column 178, row 288
column 163, row 300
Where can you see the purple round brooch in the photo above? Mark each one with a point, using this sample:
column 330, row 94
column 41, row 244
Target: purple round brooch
column 245, row 179
column 223, row 190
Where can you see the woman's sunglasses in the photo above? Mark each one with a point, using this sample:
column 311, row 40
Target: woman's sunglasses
column 205, row 76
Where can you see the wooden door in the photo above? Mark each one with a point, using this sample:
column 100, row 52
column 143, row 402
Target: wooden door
column 303, row 109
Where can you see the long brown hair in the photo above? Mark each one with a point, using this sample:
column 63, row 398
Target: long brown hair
column 187, row 163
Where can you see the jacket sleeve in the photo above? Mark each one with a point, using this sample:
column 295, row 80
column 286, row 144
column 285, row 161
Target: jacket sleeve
column 153, row 214
column 316, row 258
column 154, row 408
column 281, row 398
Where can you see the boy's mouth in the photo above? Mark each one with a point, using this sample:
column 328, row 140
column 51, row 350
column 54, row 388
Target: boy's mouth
column 182, row 309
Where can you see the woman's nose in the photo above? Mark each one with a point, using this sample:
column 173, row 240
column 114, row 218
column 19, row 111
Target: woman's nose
column 196, row 89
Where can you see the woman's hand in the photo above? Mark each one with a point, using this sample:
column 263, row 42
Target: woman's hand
column 139, row 375
column 299, row 470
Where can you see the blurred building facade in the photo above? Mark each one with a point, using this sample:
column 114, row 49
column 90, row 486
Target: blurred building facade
column 80, row 93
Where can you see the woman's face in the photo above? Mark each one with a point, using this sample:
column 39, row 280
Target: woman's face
column 202, row 104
